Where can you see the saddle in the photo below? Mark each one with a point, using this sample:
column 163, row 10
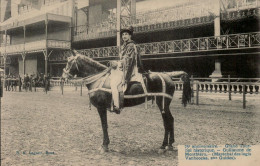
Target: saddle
column 117, row 76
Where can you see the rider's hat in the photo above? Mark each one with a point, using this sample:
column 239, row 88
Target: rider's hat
column 129, row 30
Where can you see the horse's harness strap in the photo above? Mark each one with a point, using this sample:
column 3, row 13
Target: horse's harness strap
column 163, row 91
column 163, row 83
column 143, row 85
column 133, row 96
column 103, row 81
column 102, row 89
column 148, row 94
column 91, row 79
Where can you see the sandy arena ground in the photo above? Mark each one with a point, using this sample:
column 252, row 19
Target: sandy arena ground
column 34, row 122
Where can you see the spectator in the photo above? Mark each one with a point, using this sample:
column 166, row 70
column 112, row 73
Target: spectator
column 20, row 83
column 26, row 82
column 9, row 82
column 6, row 82
column 30, row 82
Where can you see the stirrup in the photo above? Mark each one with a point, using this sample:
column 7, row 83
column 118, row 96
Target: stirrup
column 116, row 110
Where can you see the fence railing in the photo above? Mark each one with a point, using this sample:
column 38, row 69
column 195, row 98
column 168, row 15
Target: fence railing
column 55, row 82
column 222, row 87
column 244, row 88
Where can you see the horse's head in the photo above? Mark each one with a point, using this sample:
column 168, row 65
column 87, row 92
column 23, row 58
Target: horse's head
column 71, row 68
column 82, row 66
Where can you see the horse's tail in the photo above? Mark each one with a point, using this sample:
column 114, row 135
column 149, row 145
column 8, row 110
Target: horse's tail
column 186, row 95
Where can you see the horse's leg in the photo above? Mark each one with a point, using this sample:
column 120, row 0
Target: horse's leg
column 165, row 124
column 170, row 127
column 103, row 117
column 168, row 123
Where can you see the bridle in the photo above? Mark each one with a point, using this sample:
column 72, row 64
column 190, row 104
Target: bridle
column 67, row 69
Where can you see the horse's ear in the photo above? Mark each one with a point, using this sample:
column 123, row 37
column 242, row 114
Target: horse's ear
column 74, row 52
column 70, row 58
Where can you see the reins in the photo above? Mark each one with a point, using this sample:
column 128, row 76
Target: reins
column 92, row 78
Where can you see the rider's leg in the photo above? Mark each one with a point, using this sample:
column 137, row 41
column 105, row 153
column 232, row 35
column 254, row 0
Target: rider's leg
column 116, row 79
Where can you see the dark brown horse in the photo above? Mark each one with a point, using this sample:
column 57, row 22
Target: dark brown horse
column 96, row 77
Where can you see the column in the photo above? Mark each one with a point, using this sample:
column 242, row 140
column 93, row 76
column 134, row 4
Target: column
column 216, row 10
column 118, row 26
column 73, row 19
column 46, row 61
column 45, row 52
column 133, row 10
column 4, row 56
column 24, row 36
column 23, row 56
column 14, row 8
column 126, row 11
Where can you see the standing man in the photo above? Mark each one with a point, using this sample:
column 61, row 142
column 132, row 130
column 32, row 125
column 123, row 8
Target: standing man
column 6, row 83
column 30, row 82
column 20, row 83
column 26, row 82
column 131, row 65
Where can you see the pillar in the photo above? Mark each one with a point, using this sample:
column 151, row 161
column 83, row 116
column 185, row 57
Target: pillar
column 133, row 10
column 4, row 56
column 45, row 52
column 46, row 61
column 73, row 18
column 126, row 11
column 23, row 56
column 217, row 27
column 14, row 8
column 118, row 26
column 24, row 36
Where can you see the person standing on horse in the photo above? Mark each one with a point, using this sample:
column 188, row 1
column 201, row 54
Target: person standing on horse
column 131, row 65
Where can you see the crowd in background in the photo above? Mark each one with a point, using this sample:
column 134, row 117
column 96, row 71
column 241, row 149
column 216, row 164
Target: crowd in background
column 27, row 83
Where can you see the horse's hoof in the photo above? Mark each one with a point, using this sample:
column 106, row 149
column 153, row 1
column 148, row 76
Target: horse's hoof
column 171, row 148
column 161, row 150
column 103, row 149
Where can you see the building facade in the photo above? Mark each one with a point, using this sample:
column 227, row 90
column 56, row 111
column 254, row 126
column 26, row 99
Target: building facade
column 204, row 38
column 34, row 31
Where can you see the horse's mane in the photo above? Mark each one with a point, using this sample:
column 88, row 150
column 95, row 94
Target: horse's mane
column 91, row 62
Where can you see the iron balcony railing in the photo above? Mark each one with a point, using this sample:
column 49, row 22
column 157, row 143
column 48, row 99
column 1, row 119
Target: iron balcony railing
column 100, row 52
column 34, row 46
column 223, row 42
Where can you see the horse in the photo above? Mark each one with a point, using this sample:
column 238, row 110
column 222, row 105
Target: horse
column 96, row 77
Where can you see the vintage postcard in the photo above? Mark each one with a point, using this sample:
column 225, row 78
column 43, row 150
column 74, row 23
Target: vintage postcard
column 130, row 82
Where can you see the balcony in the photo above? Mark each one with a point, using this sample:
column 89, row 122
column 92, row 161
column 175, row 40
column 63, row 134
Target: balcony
column 49, row 6
column 236, row 5
column 35, row 46
column 204, row 44
column 169, row 18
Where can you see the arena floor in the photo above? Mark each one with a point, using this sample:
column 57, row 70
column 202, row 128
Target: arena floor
column 35, row 123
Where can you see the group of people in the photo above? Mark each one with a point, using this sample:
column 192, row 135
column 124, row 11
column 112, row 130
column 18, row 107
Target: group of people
column 11, row 83
column 28, row 82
